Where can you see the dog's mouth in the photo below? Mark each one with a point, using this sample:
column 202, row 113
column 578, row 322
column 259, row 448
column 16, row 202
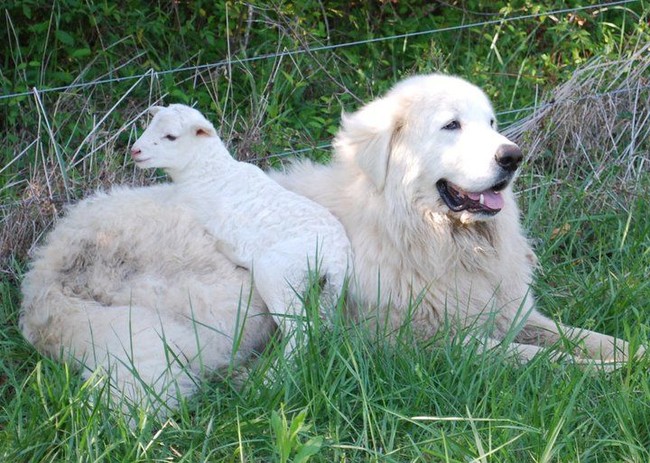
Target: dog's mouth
column 488, row 202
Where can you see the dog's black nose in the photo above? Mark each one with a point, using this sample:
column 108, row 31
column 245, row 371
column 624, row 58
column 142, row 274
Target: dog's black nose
column 509, row 157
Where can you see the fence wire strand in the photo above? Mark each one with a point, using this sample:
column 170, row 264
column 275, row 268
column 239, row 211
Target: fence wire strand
column 151, row 74
column 316, row 49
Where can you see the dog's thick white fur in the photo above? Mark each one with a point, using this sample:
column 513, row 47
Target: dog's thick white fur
column 280, row 236
column 421, row 181
column 129, row 283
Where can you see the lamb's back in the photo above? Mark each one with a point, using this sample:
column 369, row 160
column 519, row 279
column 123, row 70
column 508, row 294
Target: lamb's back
column 248, row 205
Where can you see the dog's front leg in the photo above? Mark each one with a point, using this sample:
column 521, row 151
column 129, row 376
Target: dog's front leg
column 582, row 343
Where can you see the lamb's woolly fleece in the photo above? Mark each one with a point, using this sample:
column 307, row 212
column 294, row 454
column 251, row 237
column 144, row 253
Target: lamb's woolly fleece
column 129, row 283
column 277, row 234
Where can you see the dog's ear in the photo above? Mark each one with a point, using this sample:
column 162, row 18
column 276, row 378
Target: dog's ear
column 366, row 137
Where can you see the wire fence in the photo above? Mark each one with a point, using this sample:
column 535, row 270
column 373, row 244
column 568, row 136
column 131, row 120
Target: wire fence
column 319, row 48
column 152, row 74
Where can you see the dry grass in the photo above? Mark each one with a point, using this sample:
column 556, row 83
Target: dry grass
column 594, row 126
column 76, row 148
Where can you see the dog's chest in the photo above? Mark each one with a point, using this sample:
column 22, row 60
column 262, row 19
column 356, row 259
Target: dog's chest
column 401, row 265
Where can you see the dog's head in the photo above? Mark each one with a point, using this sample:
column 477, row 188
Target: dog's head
column 435, row 138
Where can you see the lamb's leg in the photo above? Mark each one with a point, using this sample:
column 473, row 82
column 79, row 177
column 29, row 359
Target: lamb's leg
column 281, row 278
column 233, row 254
column 541, row 330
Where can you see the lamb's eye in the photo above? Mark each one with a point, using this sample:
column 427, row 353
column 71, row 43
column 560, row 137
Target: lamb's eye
column 170, row 137
column 453, row 125
column 492, row 123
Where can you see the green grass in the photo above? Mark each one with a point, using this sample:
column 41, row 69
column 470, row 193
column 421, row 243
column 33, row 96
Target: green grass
column 346, row 398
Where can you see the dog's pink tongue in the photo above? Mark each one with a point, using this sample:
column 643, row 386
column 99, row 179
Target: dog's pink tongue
column 491, row 199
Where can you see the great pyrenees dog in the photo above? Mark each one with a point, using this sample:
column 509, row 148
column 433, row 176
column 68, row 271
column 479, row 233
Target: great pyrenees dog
column 422, row 182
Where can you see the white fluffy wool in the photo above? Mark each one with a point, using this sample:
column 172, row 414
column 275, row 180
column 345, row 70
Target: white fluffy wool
column 131, row 284
column 278, row 235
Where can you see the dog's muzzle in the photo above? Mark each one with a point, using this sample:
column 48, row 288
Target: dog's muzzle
column 488, row 202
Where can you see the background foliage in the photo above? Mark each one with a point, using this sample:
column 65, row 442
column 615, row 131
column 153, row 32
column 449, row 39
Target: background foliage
column 55, row 44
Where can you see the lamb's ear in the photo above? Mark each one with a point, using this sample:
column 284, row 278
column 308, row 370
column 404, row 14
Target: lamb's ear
column 204, row 129
column 366, row 137
column 154, row 110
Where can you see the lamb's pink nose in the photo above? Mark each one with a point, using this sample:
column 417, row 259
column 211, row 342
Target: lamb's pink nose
column 135, row 151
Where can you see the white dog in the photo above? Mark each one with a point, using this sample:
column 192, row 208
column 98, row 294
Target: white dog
column 128, row 283
column 421, row 180
column 278, row 235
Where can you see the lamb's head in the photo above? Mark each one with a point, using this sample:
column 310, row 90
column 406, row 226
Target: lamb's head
column 177, row 138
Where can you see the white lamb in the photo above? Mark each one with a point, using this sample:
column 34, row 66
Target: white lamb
column 277, row 234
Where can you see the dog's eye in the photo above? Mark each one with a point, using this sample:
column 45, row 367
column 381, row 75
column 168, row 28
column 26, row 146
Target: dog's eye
column 492, row 123
column 170, row 137
column 453, row 125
